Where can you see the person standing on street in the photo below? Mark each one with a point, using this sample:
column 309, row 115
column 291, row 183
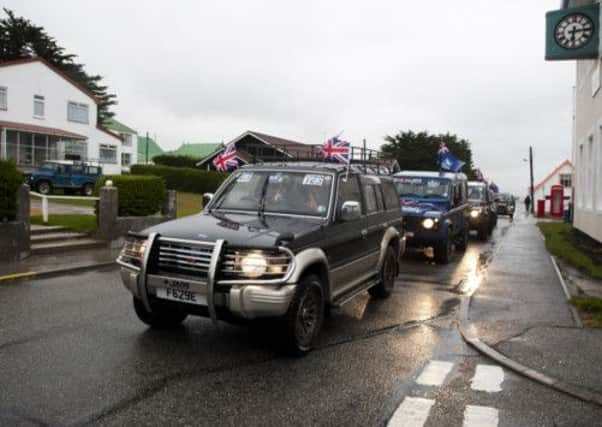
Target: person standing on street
column 527, row 204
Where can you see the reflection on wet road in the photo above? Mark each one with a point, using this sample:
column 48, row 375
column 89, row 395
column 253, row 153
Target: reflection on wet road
column 100, row 365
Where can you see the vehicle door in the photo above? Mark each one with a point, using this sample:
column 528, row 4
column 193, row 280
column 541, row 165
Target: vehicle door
column 62, row 176
column 374, row 230
column 459, row 215
column 77, row 176
column 345, row 245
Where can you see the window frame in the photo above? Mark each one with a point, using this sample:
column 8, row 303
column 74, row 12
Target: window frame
column 112, row 148
column 39, row 101
column 79, row 107
column 4, row 105
column 129, row 156
column 339, row 198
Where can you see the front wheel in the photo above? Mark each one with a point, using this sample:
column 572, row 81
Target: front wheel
column 44, row 187
column 303, row 320
column 463, row 239
column 388, row 272
column 88, row 190
column 160, row 317
column 443, row 251
column 483, row 232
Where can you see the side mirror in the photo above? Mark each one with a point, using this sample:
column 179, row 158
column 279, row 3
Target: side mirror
column 207, row 198
column 350, row 210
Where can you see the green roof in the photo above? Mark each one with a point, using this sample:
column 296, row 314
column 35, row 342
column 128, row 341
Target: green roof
column 153, row 149
column 199, row 151
column 117, row 126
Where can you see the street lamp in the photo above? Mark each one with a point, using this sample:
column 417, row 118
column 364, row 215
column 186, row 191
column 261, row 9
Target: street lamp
column 531, row 188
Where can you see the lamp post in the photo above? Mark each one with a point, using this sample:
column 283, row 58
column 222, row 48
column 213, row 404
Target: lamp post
column 531, row 187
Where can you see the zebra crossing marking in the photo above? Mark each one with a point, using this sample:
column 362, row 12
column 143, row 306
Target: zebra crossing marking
column 480, row 416
column 434, row 373
column 413, row 412
column 487, row 378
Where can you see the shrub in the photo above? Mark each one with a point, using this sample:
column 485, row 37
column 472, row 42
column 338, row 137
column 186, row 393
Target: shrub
column 176, row 160
column 184, row 179
column 10, row 181
column 138, row 195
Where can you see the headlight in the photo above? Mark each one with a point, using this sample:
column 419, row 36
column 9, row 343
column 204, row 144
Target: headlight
column 475, row 213
column 428, row 223
column 133, row 251
column 253, row 265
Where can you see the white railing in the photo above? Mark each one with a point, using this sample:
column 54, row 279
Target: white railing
column 45, row 202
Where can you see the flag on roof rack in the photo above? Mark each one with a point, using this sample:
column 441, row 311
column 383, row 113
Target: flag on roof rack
column 226, row 160
column 336, row 149
column 447, row 161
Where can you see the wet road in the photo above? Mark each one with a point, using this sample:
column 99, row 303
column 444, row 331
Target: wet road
column 72, row 352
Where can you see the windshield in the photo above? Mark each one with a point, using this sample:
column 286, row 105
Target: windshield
column 476, row 192
column 423, row 187
column 296, row 193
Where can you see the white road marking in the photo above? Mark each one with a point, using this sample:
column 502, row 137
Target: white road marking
column 412, row 412
column 488, row 378
column 435, row 373
column 480, row 416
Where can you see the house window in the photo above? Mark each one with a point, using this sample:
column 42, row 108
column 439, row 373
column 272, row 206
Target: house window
column 38, row 106
column 3, row 98
column 108, row 154
column 126, row 159
column 127, row 139
column 566, row 180
column 77, row 112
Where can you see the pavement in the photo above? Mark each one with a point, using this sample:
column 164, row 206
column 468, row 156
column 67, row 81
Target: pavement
column 73, row 353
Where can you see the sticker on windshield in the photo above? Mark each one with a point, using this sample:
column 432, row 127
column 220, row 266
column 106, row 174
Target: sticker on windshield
column 276, row 179
column 432, row 183
column 316, row 180
column 245, row 177
column 409, row 180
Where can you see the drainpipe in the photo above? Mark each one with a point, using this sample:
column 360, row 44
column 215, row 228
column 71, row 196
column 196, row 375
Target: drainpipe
column 564, row 4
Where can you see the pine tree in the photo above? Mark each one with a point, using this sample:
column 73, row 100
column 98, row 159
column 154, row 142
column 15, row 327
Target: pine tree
column 20, row 38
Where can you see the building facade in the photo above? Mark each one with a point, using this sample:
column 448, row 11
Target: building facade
column 129, row 145
column 44, row 115
column 561, row 175
column 587, row 144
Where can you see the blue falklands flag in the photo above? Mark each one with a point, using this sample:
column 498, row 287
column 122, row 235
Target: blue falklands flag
column 447, row 161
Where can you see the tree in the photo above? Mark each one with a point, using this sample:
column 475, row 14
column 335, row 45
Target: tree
column 418, row 151
column 20, row 38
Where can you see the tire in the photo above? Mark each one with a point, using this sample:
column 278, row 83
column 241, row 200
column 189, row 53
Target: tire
column 161, row 317
column 44, row 187
column 88, row 190
column 388, row 273
column 443, row 251
column 463, row 239
column 304, row 317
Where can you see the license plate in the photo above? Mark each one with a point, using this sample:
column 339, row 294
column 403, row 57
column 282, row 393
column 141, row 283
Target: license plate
column 182, row 295
column 409, row 234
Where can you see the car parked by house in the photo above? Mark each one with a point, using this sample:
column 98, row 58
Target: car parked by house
column 435, row 209
column 67, row 175
column 483, row 209
column 277, row 240
column 506, row 205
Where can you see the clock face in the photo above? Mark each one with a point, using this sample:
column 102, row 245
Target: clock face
column 574, row 31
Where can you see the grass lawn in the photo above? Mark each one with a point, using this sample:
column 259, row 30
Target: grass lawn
column 558, row 243
column 83, row 223
column 188, row 204
column 590, row 310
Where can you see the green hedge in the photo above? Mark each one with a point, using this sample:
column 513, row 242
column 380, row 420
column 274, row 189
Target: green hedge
column 176, row 160
column 184, row 179
column 138, row 195
column 10, row 181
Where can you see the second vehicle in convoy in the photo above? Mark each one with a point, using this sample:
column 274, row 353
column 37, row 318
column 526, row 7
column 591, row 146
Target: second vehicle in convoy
column 277, row 240
column 483, row 210
column 67, row 175
column 435, row 210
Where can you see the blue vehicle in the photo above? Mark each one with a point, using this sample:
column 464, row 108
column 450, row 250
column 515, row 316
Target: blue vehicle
column 65, row 174
column 435, row 209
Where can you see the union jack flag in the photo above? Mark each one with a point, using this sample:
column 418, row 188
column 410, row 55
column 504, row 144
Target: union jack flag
column 336, row 149
column 226, row 159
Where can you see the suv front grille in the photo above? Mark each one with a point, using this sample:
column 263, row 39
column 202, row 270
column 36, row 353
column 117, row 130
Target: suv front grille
column 411, row 223
column 187, row 257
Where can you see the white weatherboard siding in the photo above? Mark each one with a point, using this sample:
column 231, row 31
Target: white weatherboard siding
column 587, row 151
column 23, row 81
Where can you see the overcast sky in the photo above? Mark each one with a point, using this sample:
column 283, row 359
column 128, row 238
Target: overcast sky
column 205, row 71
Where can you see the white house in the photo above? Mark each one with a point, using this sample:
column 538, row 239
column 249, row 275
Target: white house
column 44, row 115
column 561, row 175
column 129, row 146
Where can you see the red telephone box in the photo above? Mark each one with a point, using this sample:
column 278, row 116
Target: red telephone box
column 557, row 201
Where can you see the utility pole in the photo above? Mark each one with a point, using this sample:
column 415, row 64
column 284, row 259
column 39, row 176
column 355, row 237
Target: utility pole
column 364, row 155
column 531, row 188
column 147, row 147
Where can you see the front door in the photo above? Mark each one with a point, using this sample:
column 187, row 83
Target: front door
column 346, row 241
